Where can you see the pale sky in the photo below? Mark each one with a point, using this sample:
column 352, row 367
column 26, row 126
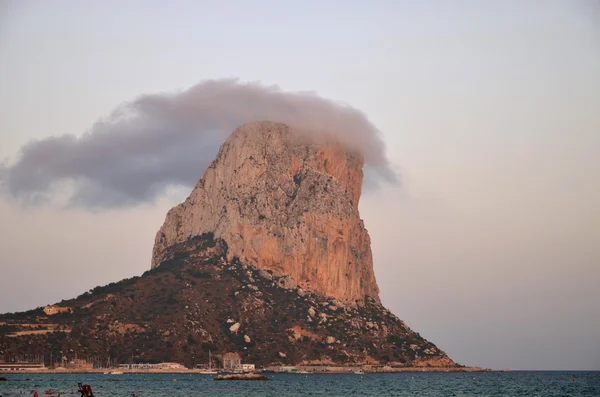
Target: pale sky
column 490, row 111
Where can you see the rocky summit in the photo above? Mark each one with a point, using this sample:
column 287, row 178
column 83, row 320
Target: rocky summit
column 286, row 203
column 267, row 258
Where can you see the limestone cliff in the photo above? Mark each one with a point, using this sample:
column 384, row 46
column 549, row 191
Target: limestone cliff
column 284, row 203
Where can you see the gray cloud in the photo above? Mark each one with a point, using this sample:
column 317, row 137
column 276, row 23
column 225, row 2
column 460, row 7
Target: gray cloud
column 163, row 140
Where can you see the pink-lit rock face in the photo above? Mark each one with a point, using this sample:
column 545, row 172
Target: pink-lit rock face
column 283, row 202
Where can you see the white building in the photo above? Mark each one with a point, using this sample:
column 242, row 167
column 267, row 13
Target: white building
column 22, row 366
column 152, row 366
column 286, row 369
column 233, row 362
column 248, row 367
column 52, row 310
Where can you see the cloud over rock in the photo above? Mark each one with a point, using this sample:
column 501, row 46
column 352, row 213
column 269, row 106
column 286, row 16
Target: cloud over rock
column 162, row 140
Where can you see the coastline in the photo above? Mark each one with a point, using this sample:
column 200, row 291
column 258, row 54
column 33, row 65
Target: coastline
column 301, row 370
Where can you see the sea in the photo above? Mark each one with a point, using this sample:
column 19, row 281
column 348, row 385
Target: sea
column 516, row 383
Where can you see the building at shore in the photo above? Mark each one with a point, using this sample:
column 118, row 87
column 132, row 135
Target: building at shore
column 248, row 367
column 145, row 366
column 232, row 362
column 22, row 366
column 79, row 364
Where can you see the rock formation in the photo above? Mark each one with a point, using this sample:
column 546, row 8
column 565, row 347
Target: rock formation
column 267, row 258
column 284, row 203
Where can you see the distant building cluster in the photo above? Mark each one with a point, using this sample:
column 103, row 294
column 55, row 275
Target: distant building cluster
column 79, row 364
column 52, row 310
column 152, row 366
column 233, row 362
column 21, row 366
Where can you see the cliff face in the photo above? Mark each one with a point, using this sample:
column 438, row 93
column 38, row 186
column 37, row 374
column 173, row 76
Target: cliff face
column 285, row 204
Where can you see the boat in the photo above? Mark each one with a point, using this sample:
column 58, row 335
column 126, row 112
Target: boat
column 210, row 371
column 359, row 372
column 250, row 376
column 116, row 373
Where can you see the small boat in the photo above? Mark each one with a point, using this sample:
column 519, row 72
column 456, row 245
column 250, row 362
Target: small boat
column 359, row 372
column 116, row 373
column 209, row 371
column 250, row 376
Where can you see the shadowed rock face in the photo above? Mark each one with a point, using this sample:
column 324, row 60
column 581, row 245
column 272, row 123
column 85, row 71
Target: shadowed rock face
column 285, row 203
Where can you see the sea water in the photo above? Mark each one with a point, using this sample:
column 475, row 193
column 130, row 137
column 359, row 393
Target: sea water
column 517, row 383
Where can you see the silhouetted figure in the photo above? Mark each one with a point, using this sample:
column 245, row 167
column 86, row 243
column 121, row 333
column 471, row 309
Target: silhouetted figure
column 85, row 390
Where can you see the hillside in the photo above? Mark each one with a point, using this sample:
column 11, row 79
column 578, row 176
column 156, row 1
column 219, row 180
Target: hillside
column 200, row 301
